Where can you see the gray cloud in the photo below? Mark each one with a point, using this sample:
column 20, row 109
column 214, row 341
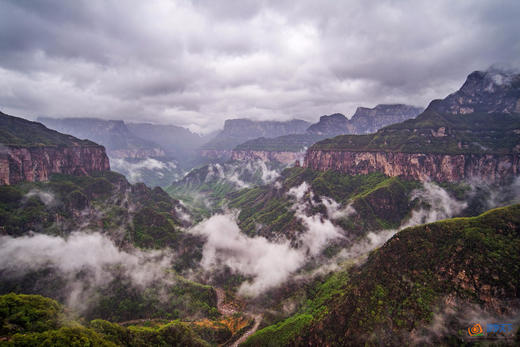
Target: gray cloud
column 198, row 63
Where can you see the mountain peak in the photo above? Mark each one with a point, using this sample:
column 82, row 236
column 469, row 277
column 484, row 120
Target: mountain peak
column 495, row 90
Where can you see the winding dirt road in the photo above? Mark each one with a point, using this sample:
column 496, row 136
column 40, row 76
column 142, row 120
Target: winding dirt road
column 227, row 309
column 243, row 338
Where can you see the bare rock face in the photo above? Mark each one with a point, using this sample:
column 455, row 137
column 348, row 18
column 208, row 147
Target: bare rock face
column 34, row 164
column 364, row 121
column 333, row 125
column 370, row 120
column 417, row 166
column 488, row 91
column 267, row 156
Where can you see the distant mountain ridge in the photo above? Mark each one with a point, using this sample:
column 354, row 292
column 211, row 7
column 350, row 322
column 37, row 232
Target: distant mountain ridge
column 237, row 131
column 365, row 120
column 113, row 134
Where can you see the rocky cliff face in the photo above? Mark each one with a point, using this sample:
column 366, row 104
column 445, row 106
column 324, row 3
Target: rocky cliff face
column 286, row 158
column 417, row 166
column 34, row 164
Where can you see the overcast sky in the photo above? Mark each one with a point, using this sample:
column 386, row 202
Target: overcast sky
column 196, row 63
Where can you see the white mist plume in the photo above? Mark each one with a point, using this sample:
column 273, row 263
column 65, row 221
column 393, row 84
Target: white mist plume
column 299, row 192
column 319, row 232
column 46, row 197
column 182, row 214
column 441, row 205
column 318, row 229
column 334, row 210
column 79, row 252
column 134, row 170
column 269, row 263
column 241, row 173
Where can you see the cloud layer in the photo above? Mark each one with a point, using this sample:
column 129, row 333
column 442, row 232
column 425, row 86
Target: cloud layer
column 91, row 253
column 198, row 63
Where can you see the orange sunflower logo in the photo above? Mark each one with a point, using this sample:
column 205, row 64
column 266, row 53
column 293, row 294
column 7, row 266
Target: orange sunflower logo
column 476, row 330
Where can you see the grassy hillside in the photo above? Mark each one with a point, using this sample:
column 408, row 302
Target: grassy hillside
column 420, row 273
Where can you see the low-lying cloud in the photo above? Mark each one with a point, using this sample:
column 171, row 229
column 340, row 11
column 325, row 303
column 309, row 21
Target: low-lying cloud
column 269, row 263
column 242, row 174
column 80, row 252
column 135, row 170
column 47, row 198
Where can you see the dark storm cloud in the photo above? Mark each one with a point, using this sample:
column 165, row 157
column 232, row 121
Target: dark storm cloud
column 198, row 63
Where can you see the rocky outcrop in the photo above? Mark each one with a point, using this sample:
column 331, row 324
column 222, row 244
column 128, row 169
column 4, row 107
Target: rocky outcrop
column 417, row 166
column 369, row 120
column 335, row 124
column 34, row 164
column 281, row 157
column 364, row 121
column 491, row 91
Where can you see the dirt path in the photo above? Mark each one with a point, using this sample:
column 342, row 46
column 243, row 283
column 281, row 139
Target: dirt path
column 224, row 308
column 243, row 338
column 228, row 309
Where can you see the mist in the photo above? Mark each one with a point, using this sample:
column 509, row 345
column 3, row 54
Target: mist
column 243, row 175
column 268, row 263
column 47, row 198
column 85, row 260
column 135, row 170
